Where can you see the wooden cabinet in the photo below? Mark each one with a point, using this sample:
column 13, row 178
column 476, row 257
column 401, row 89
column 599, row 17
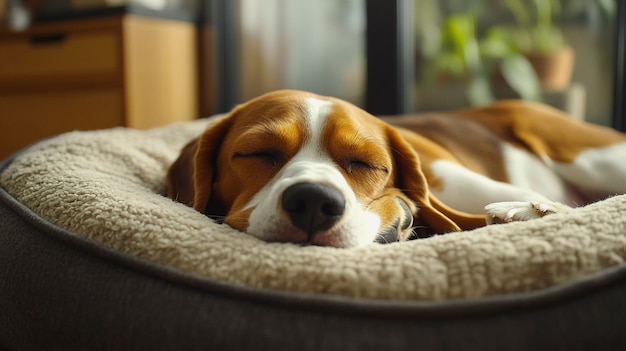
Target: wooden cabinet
column 95, row 73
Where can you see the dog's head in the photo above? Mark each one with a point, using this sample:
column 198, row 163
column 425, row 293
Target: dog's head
column 292, row 166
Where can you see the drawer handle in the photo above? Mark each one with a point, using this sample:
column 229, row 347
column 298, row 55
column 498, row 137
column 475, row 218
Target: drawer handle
column 48, row 39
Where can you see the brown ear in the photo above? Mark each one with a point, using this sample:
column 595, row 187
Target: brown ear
column 180, row 175
column 466, row 221
column 190, row 178
column 413, row 183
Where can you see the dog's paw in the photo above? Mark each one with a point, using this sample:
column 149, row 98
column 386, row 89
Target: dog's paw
column 514, row 211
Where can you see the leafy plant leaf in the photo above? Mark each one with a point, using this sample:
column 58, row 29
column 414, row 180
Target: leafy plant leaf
column 521, row 77
column 479, row 91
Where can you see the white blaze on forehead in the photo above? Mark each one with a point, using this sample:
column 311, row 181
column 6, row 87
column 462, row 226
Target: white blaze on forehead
column 315, row 116
column 310, row 163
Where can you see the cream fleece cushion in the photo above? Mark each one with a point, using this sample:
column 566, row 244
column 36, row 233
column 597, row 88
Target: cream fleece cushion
column 107, row 185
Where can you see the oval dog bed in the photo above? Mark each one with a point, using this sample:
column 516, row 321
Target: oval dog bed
column 92, row 256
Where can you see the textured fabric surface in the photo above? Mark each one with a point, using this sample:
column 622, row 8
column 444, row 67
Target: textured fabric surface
column 107, row 185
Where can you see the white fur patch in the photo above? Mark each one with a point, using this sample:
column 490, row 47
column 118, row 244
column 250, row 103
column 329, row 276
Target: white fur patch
column 600, row 170
column 527, row 171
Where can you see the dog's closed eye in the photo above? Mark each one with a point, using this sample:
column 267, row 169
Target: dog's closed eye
column 272, row 158
column 352, row 165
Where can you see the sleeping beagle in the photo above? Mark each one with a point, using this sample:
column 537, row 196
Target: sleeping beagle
column 291, row 166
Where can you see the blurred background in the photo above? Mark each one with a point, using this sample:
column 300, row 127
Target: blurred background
column 90, row 64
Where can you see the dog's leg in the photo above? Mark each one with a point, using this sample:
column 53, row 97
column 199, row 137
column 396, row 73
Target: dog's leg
column 468, row 191
column 471, row 192
column 591, row 158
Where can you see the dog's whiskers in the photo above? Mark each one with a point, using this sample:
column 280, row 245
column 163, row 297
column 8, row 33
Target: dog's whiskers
column 216, row 218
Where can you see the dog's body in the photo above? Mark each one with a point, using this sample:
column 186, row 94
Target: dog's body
column 292, row 166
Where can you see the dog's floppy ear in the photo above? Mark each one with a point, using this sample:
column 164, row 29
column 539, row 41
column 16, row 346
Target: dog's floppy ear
column 180, row 175
column 411, row 180
column 190, row 178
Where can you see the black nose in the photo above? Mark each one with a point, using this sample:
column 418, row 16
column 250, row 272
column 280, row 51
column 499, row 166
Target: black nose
column 313, row 207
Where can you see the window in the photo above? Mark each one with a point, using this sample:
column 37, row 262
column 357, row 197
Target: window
column 561, row 52
column 400, row 56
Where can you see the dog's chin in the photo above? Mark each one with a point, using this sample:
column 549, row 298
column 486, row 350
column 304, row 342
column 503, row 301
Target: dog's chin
column 330, row 238
column 346, row 234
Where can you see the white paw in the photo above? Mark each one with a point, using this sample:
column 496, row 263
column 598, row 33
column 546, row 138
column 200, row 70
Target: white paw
column 513, row 211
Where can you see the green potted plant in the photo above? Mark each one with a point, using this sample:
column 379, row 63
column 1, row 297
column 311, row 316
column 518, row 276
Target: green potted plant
column 540, row 41
column 462, row 55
